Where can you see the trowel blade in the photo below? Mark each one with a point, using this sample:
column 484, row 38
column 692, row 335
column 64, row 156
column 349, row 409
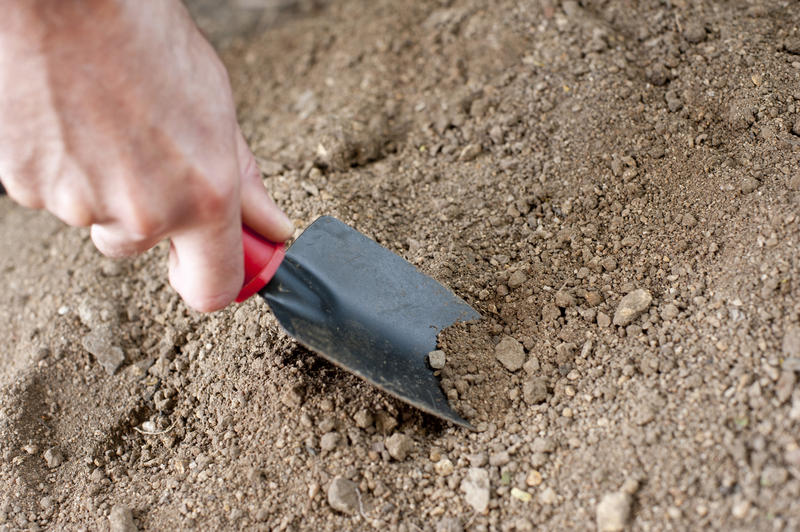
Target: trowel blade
column 367, row 310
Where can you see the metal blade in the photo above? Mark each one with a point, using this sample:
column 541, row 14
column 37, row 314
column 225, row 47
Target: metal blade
column 367, row 310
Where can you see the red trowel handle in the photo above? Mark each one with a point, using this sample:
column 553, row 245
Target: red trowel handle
column 261, row 261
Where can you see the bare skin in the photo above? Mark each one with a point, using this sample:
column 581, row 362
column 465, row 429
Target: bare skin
column 118, row 115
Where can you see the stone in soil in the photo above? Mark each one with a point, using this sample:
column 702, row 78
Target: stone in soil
column 449, row 524
column 363, row 418
column 517, row 279
column 534, row 391
column 534, row 478
column 694, row 32
column 613, row 512
column 385, row 422
column 476, row 489
column 399, row 446
column 443, row 467
column 548, row 496
column 99, row 343
column 632, row 306
column 510, row 353
column 674, row 103
column 53, row 457
column 564, row 299
column 543, row 445
column 343, row 496
column 773, row 476
column 470, row 152
column 791, row 342
column 329, row 441
column 792, row 45
column 121, row 519
column 436, row 359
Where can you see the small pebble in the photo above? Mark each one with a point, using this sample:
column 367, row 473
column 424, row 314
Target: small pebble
column 593, row 298
column 30, row 448
column 53, row 457
column 548, row 496
column 632, row 306
column 385, row 422
column 521, row 495
column 436, row 359
column 749, row 185
column 443, row 467
column 740, row 509
column 121, row 519
column 517, row 279
column 476, row 489
column 363, row 418
column 99, row 343
column 613, row 512
column 329, row 441
column 792, row 46
column 470, row 152
column 791, row 342
column 543, row 445
column 534, row 391
column 669, row 312
column 478, row 459
column 564, row 299
column 343, row 496
column 399, row 445
column 694, row 31
column 674, row 103
column 774, row 476
column 510, row 353
column 534, row 478
column 449, row 524
column 531, row 367
column 499, row 459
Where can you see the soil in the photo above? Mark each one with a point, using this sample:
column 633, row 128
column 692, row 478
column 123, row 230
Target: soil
column 544, row 159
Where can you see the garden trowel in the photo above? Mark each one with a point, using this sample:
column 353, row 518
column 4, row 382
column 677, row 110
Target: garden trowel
column 358, row 305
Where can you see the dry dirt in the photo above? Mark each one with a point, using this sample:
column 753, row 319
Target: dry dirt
column 542, row 158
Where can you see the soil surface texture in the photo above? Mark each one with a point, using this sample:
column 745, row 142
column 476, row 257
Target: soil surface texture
column 612, row 184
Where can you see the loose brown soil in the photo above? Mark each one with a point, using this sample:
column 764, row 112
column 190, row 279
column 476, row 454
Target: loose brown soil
column 543, row 159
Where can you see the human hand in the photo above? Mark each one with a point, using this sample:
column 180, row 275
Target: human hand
column 118, row 115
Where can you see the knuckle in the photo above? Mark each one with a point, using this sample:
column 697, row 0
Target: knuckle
column 138, row 220
column 26, row 197
column 71, row 206
column 75, row 213
column 142, row 227
column 216, row 201
column 31, row 201
column 117, row 247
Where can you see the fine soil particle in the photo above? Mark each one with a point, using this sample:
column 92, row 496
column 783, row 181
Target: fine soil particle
column 544, row 161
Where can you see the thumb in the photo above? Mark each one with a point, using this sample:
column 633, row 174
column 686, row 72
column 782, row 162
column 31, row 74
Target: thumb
column 206, row 265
